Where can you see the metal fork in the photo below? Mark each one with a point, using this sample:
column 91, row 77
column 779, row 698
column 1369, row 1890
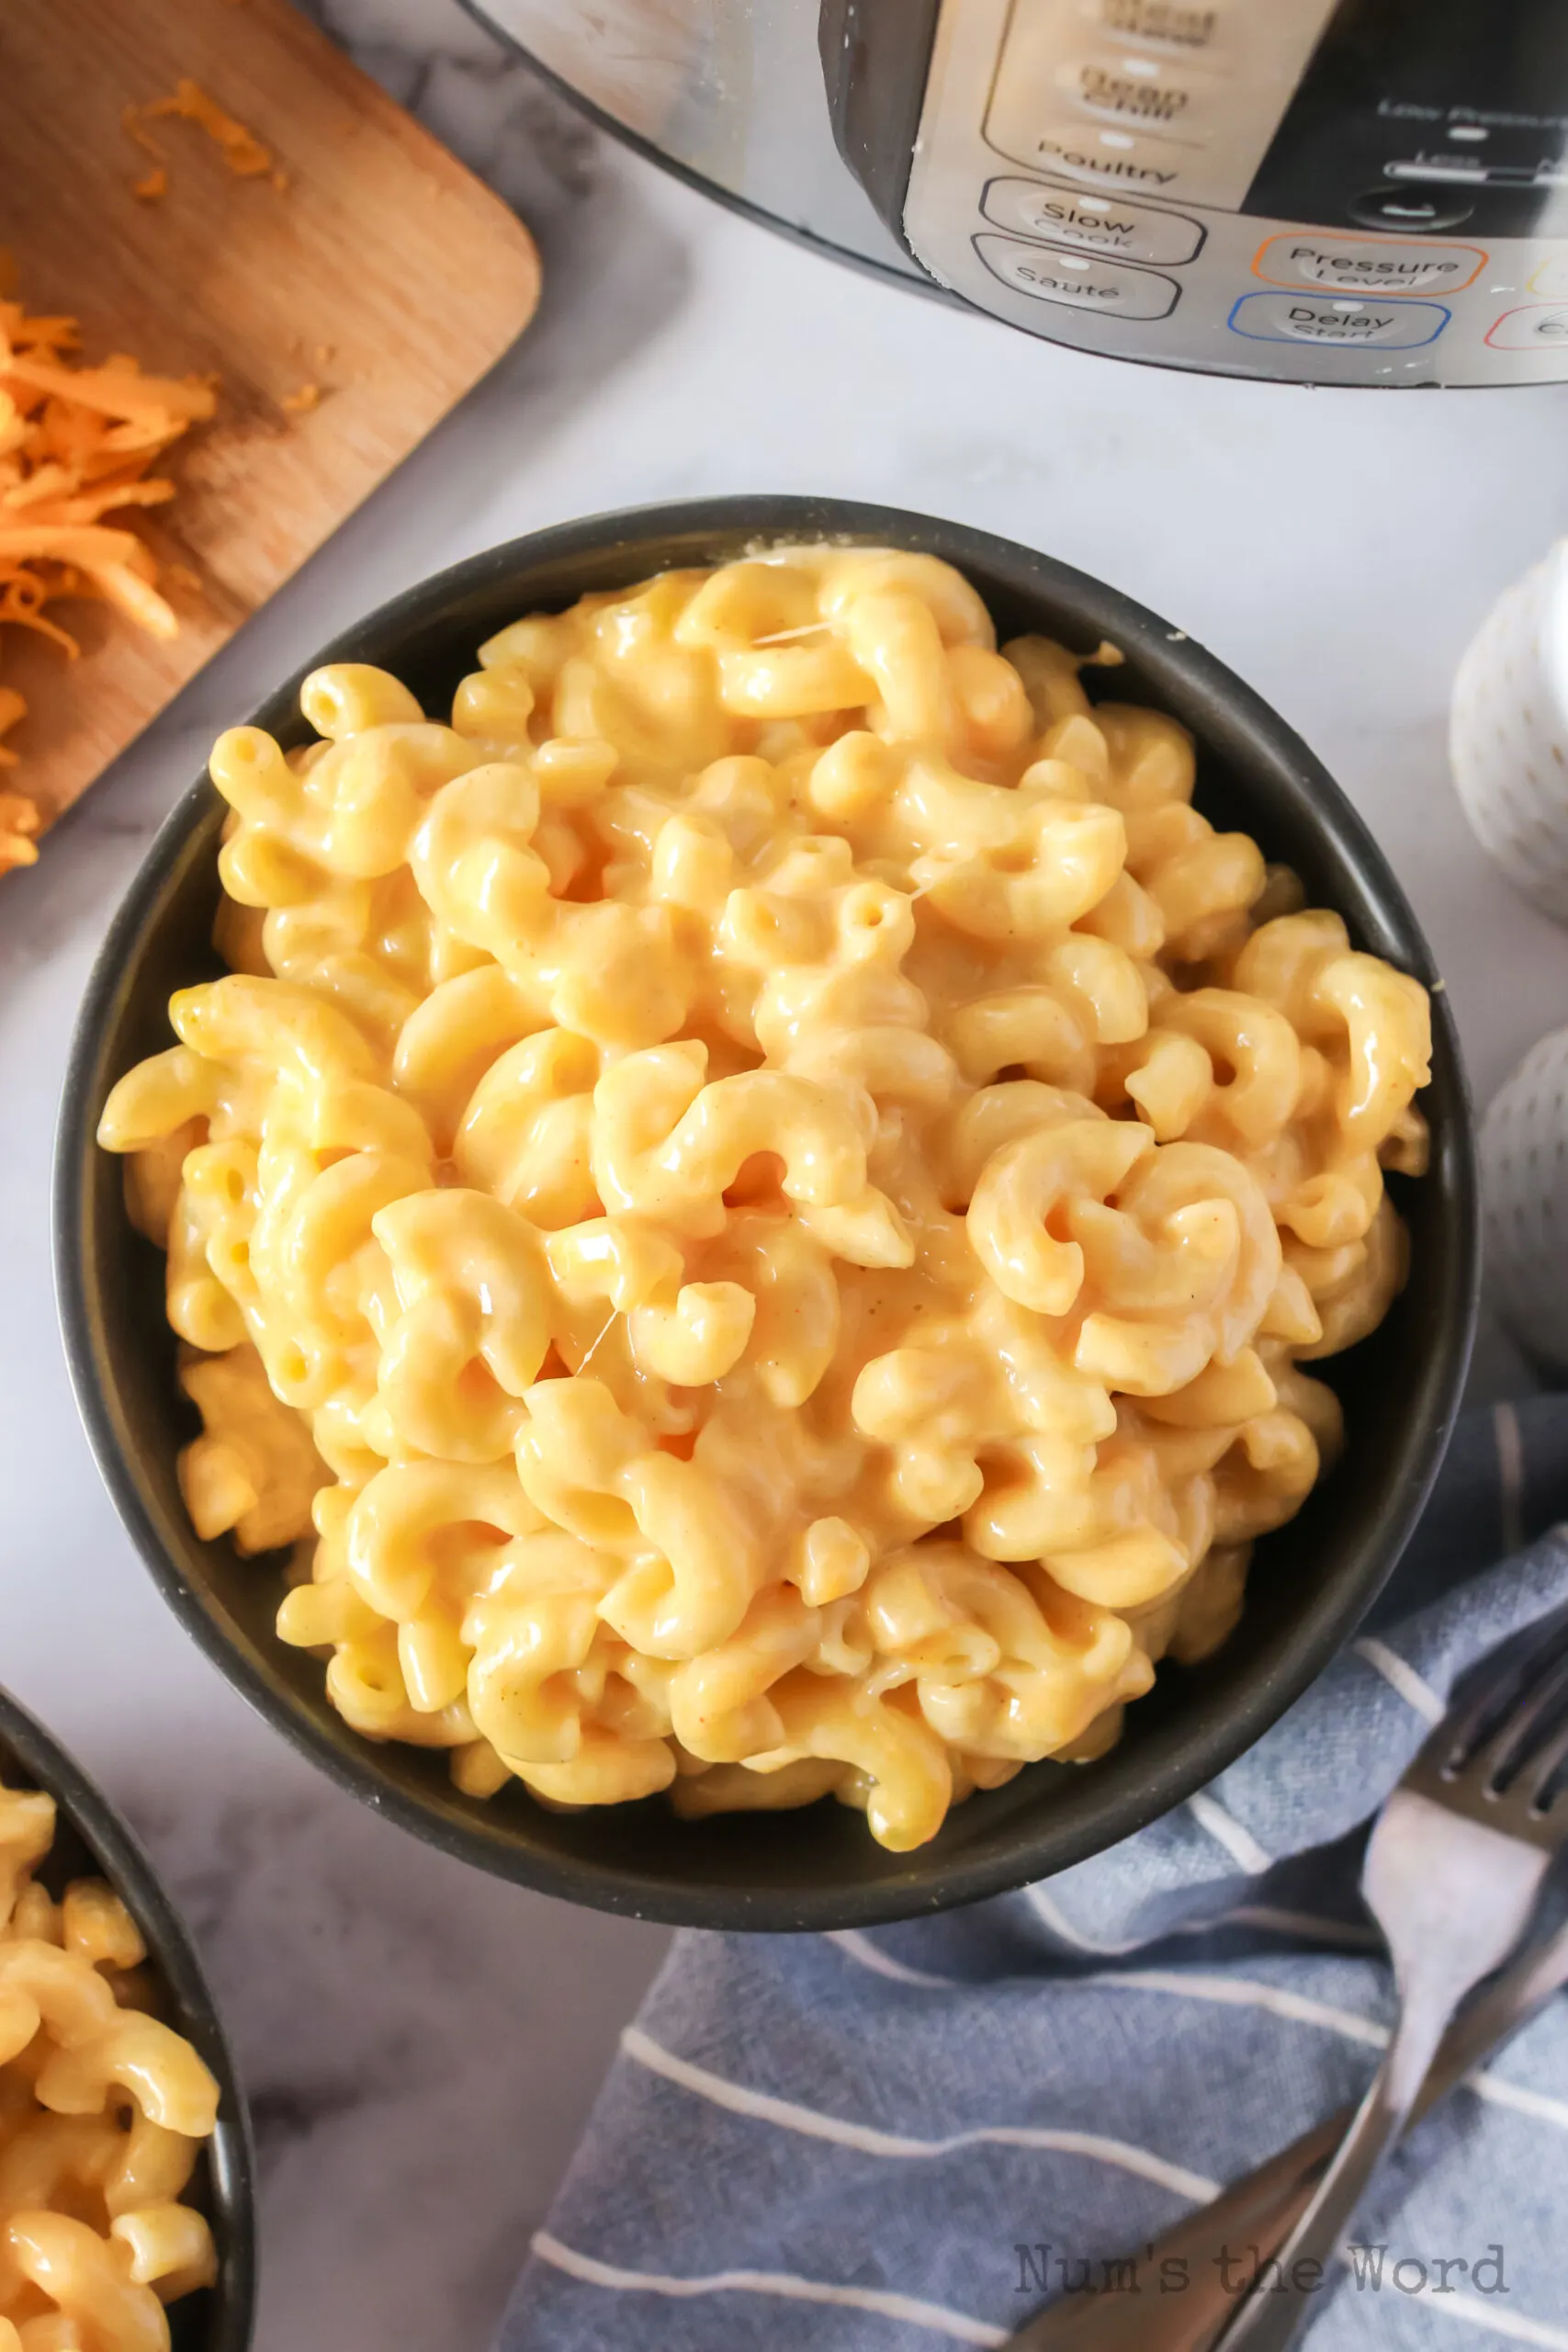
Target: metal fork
column 1451, row 1877
column 1452, row 1874
column 1260, row 2210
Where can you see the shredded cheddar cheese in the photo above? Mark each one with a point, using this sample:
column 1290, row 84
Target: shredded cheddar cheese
column 76, row 443
column 247, row 156
column 243, row 152
column 19, row 824
column 154, row 184
column 131, row 120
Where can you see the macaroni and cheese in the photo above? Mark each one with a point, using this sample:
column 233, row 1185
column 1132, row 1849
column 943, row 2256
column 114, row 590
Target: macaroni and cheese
column 753, row 1206
column 101, row 2113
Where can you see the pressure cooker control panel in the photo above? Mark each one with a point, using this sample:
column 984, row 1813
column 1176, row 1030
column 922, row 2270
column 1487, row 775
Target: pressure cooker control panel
column 1372, row 192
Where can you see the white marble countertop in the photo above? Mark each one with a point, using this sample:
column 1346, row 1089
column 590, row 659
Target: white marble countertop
column 421, row 2043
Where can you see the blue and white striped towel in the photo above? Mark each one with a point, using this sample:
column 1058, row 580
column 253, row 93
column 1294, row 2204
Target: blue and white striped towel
column 885, row 2142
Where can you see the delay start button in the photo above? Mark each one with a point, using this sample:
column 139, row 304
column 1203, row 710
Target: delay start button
column 1099, row 224
column 1081, row 284
column 1301, row 318
column 1367, row 266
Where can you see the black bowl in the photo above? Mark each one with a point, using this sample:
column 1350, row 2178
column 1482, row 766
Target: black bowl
column 91, row 1840
column 818, row 1868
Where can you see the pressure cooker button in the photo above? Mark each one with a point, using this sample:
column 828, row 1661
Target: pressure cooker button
column 1136, row 93
column 1179, row 25
column 1131, row 161
column 1099, row 224
column 1080, row 283
column 1385, row 266
column 1396, row 325
column 1539, row 326
column 1409, row 207
column 1551, row 277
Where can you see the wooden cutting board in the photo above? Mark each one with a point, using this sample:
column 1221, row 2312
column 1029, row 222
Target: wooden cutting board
column 371, row 266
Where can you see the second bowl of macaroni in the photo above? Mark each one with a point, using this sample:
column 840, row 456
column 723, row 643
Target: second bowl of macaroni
column 127, row 2152
column 766, row 1213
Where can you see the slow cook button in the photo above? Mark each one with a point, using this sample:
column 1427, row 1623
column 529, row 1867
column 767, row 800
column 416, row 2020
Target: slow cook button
column 1299, row 318
column 1082, row 284
column 1367, row 266
column 1099, row 224
column 1551, row 277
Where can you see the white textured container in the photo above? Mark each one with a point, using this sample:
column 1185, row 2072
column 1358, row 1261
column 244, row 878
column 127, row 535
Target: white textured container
column 1508, row 733
column 1524, row 1179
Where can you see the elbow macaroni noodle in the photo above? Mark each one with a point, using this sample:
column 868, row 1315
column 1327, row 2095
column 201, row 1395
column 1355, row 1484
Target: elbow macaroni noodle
column 102, row 2112
column 754, row 1207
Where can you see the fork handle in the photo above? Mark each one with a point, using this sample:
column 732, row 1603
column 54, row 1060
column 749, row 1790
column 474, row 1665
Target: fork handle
column 1206, row 2252
column 1272, row 2314
column 1264, row 2207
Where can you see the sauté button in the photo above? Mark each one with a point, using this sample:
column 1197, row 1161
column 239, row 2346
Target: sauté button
column 1100, row 224
column 1539, row 326
column 1367, row 266
column 1082, row 284
column 1325, row 318
column 1551, row 277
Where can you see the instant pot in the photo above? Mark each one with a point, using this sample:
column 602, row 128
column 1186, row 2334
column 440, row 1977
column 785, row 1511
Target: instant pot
column 1370, row 193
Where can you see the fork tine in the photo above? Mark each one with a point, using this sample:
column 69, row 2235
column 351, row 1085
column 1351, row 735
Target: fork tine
column 1533, row 1716
column 1543, row 1767
column 1501, row 1681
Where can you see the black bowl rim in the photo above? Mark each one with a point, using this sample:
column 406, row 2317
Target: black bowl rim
column 169, row 1947
column 657, row 537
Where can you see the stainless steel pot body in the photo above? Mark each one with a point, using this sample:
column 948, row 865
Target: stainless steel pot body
column 1368, row 192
